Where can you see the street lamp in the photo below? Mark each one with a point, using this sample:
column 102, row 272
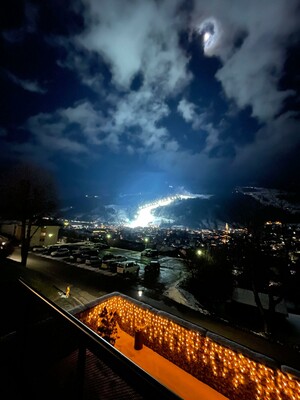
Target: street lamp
column 199, row 252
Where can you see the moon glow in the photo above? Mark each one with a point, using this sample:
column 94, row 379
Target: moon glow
column 206, row 37
column 210, row 31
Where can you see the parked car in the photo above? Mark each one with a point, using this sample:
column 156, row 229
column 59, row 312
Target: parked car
column 49, row 249
column 106, row 264
column 85, row 249
column 60, row 252
column 108, row 256
column 128, row 268
column 153, row 267
column 74, row 254
column 93, row 261
column 111, row 263
column 83, row 256
column 39, row 249
column 101, row 246
column 149, row 253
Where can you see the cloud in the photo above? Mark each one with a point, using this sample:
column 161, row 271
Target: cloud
column 136, row 117
column 200, row 122
column 87, row 118
column 187, row 110
column 134, row 37
column 130, row 126
column 132, row 57
column 86, row 64
column 50, row 135
column 29, row 85
column 275, row 140
column 252, row 68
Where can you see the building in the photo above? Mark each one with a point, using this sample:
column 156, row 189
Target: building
column 43, row 234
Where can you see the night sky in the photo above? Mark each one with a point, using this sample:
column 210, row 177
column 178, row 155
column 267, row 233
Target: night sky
column 135, row 96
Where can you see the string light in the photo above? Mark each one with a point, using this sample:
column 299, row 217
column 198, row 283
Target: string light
column 229, row 372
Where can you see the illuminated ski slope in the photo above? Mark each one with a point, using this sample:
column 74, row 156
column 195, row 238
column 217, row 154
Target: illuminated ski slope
column 144, row 215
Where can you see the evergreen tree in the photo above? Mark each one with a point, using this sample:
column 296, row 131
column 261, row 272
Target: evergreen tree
column 108, row 327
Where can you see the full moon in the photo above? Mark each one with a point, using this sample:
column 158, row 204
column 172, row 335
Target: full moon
column 210, row 31
column 206, row 37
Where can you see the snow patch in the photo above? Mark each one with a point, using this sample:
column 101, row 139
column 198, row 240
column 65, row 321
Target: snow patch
column 181, row 296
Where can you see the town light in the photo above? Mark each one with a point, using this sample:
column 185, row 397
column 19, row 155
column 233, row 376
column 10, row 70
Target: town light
column 199, row 252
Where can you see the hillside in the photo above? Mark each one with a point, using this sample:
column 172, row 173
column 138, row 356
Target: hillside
column 236, row 208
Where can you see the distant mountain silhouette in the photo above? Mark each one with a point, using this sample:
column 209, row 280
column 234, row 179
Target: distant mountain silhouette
column 212, row 213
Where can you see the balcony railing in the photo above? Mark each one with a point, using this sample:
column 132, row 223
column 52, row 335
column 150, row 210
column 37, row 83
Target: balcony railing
column 57, row 354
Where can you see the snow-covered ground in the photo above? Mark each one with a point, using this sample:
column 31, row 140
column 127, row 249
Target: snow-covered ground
column 270, row 197
column 181, row 296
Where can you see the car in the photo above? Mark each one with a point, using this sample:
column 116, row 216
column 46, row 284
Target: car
column 74, row 254
column 93, row 261
column 101, row 246
column 149, row 253
column 111, row 263
column 128, row 268
column 84, row 255
column 61, row 252
column 152, row 267
column 108, row 256
column 85, row 249
column 106, row 264
column 39, row 249
column 49, row 249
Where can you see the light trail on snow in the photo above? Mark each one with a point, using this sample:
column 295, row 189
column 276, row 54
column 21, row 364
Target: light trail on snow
column 145, row 216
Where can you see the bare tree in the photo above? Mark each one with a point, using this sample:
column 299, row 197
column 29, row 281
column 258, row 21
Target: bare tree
column 265, row 274
column 28, row 193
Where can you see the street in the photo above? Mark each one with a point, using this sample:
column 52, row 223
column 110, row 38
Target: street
column 95, row 280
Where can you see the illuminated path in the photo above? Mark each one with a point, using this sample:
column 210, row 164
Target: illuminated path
column 145, row 217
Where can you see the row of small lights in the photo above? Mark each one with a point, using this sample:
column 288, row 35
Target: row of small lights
column 239, row 370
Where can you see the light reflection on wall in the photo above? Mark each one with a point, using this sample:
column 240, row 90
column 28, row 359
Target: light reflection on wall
column 229, row 372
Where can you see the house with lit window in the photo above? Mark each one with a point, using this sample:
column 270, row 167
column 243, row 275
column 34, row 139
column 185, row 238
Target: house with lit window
column 43, row 233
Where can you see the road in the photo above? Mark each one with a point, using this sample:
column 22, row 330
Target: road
column 88, row 284
column 97, row 281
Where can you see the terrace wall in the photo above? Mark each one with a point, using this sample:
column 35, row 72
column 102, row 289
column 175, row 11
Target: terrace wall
column 232, row 369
